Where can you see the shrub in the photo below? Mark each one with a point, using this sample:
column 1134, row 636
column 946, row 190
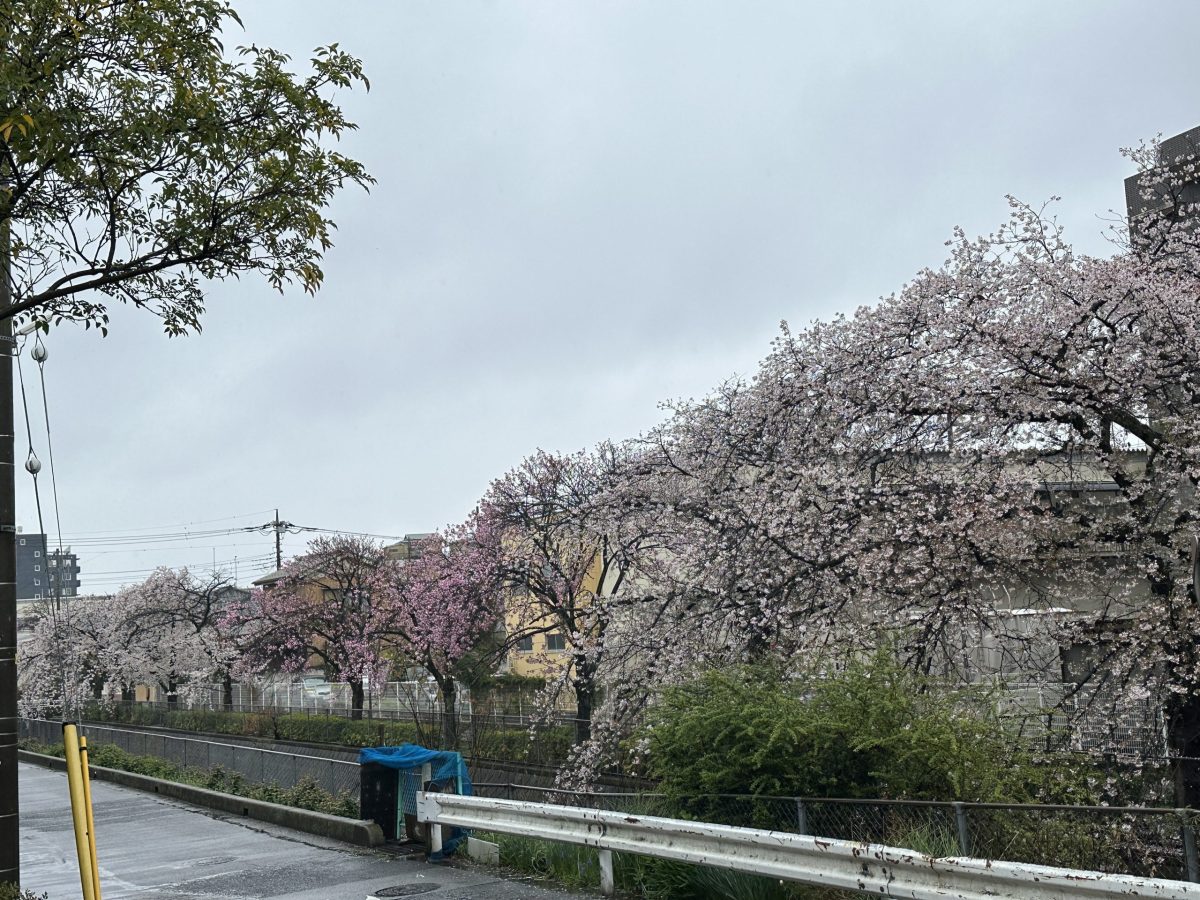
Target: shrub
column 9, row 891
column 874, row 731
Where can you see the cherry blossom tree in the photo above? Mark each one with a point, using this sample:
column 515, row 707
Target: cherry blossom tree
column 162, row 631
column 168, row 630
column 567, row 556
column 1003, row 456
column 993, row 471
column 334, row 604
column 63, row 663
column 446, row 605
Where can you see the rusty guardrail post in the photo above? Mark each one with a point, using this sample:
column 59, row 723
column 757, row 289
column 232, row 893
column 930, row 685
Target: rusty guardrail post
column 964, row 833
column 1189, row 844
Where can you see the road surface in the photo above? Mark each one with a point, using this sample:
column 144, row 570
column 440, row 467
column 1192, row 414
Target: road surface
column 153, row 849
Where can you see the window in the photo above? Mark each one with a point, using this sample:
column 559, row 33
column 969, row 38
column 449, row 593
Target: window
column 37, row 568
column 556, row 640
column 37, row 553
column 525, row 644
column 35, row 596
column 37, row 582
column 22, row 542
column 53, row 563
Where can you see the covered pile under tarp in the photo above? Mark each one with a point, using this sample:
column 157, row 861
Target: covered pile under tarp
column 448, row 774
column 447, row 765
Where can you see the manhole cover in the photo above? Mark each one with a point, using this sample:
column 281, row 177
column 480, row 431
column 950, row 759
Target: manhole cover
column 405, row 890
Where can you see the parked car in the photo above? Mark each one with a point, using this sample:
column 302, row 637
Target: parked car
column 316, row 688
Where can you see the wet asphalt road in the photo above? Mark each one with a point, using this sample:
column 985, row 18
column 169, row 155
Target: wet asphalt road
column 154, row 849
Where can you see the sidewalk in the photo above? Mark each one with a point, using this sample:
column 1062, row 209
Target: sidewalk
column 155, row 849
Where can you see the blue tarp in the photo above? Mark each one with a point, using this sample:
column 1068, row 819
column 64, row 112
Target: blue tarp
column 446, row 764
column 446, row 767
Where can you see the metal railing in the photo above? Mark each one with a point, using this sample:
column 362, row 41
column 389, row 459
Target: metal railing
column 868, row 868
column 1149, row 842
column 497, row 737
column 255, row 764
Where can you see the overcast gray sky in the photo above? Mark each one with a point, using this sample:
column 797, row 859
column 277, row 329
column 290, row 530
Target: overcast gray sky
column 583, row 209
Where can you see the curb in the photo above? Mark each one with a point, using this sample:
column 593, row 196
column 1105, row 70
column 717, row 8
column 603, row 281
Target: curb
column 351, row 831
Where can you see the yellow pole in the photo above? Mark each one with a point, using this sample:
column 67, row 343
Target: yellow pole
column 91, row 822
column 78, row 811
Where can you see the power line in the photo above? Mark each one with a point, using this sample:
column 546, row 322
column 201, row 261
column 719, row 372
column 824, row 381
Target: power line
column 249, row 560
column 366, row 534
column 163, row 538
column 179, row 525
column 116, row 579
column 91, row 553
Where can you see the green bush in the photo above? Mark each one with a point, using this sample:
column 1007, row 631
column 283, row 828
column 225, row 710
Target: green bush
column 549, row 746
column 875, row 731
column 9, row 891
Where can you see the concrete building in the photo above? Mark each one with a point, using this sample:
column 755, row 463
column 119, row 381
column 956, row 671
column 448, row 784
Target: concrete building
column 1175, row 183
column 43, row 573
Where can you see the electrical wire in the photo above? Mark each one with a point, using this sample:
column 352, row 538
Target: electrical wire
column 33, row 471
column 41, row 361
column 381, row 537
column 181, row 525
column 249, row 560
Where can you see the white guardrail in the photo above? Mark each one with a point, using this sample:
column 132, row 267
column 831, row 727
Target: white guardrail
column 847, row 865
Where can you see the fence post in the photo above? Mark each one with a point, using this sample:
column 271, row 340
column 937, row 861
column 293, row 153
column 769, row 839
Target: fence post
column 801, row 817
column 607, row 884
column 964, row 834
column 1189, row 845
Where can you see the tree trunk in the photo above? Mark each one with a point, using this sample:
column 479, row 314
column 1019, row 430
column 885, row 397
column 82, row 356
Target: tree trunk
column 584, row 684
column 227, row 692
column 1183, row 735
column 449, row 713
column 356, row 698
column 172, row 694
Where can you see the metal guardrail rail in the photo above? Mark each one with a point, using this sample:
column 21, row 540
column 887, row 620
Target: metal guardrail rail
column 868, row 868
column 1146, row 841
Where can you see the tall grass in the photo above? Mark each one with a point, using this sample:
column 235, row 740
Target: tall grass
column 643, row 876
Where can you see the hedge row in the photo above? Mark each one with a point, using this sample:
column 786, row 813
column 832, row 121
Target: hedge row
column 306, row 794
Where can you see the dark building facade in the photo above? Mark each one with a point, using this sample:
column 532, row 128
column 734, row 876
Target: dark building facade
column 44, row 574
column 1175, row 183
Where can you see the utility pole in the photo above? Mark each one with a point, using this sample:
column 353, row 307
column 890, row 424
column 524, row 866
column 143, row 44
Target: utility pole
column 279, row 527
column 10, row 843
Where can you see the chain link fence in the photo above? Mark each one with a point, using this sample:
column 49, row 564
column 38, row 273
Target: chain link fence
column 1056, row 716
column 255, row 764
column 393, row 700
column 491, row 737
column 1144, row 841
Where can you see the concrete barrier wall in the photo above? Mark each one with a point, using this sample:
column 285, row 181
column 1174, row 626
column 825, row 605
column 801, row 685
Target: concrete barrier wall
column 352, row 831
